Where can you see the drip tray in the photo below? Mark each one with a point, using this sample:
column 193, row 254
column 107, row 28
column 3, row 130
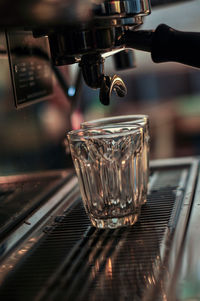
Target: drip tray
column 74, row 261
column 22, row 194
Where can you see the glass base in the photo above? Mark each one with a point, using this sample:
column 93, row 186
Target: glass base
column 144, row 198
column 115, row 222
column 143, row 201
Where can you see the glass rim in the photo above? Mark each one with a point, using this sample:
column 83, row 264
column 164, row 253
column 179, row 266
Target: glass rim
column 137, row 117
column 83, row 133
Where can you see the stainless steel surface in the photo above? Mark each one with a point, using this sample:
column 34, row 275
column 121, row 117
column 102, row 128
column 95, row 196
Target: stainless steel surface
column 76, row 29
column 188, row 285
column 34, row 225
column 128, row 7
column 32, row 137
column 66, row 11
column 70, row 260
column 175, row 259
column 22, row 194
column 84, row 40
column 32, row 219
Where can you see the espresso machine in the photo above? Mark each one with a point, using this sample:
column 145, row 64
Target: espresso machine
column 48, row 248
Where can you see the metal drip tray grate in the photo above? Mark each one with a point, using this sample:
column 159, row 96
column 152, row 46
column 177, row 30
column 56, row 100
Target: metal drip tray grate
column 21, row 195
column 74, row 261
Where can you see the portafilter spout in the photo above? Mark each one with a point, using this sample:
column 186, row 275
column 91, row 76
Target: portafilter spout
column 92, row 66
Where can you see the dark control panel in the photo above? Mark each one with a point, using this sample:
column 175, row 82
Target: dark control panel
column 30, row 67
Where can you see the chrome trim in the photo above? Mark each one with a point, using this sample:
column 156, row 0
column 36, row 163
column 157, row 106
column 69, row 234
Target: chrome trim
column 171, row 253
column 32, row 228
column 187, row 286
column 152, row 181
column 34, row 176
column 173, row 162
column 128, row 7
column 176, row 251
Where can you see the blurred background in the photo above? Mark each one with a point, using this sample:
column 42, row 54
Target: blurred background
column 168, row 92
column 32, row 136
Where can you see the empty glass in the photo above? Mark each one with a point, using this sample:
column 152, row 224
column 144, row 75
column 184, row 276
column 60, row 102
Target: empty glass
column 108, row 163
column 141, row 120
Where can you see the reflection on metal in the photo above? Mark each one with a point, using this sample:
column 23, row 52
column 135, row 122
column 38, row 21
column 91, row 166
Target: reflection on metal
column 37, row 219
column 78, row 262
column 16, row 256
column 109, row 268
column 33, row 176
column 188, row 285
column 128, row 7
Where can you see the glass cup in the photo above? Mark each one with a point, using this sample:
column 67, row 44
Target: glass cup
column 108, row 165
column 141, row 120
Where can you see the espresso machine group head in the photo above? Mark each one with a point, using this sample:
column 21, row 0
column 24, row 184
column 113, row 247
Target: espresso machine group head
column 90, row 41
column 87, row 31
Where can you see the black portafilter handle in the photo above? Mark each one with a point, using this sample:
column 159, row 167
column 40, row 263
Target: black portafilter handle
column 166, row 44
